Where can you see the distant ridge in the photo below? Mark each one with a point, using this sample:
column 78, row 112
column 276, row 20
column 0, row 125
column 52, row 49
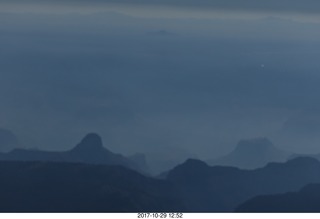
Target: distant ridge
column 251, row 154
column 90, row 150
column 316, row 156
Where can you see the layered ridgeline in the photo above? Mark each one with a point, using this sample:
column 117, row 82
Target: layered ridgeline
column 251, row 154
column 305, row 200
column 90, row 178
column 73, row 187
column 35, row 186
column 222, row 189
column 89, row 150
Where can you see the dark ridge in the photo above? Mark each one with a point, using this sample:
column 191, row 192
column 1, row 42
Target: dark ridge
column 303, row 160
column 222, row 189
column 70, row 187
column 190, row 168
column 194, row 163
column 294, row 163
column 305, row 200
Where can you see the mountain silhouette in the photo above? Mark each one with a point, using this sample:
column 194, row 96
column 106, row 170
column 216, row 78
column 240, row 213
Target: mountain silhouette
column 89, row 150
column 90, row 143
column 251, row 154
column 221, row 189
column 305, row 200
column 29, row 186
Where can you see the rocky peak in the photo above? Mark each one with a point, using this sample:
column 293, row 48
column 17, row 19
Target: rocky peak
column 91, row 142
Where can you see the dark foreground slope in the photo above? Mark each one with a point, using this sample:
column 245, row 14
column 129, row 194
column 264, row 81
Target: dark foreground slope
column 70, row 187
column 306, row 200
column 89, row 150
column 221, row 189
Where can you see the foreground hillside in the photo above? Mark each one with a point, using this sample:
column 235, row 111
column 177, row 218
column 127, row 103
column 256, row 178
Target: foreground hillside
column 306, row 200
column 30, row 186
column 222, row 189
column 70, row 187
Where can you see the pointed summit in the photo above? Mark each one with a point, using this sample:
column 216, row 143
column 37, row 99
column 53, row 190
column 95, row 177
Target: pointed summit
column 90, row 150
column 91, row 142
column 92, row 138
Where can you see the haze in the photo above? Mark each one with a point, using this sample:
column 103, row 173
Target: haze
column 189, row 79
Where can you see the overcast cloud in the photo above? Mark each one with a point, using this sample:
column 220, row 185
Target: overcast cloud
column 294, row 9
column 304, row 6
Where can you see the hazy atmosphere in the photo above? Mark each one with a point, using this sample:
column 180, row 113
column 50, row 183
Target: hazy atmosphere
column 170, row 79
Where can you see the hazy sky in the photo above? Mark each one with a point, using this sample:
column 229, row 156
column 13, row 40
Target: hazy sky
column 192, row 76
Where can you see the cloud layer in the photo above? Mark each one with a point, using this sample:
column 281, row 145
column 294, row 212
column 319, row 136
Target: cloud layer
column 291, row 6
